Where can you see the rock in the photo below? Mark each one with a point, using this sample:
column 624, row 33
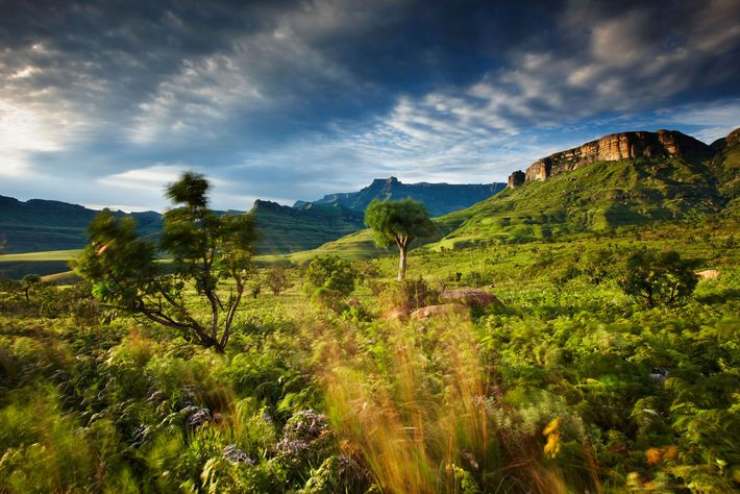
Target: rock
column 659, row 374
column 439, row 310
column 236, row 455
column 708, row 274
column 197, row 416
column 615, row 147
column 516, row 179
column 469, row 296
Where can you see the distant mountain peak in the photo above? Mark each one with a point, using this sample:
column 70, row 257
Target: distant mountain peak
column 439, row 198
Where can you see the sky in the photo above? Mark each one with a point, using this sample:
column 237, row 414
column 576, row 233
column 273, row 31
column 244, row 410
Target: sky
column 104, row 103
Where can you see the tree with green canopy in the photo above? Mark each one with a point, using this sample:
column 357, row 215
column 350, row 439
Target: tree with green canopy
column 658, row 278
column 210, row 253
column 399, row 222
column 28, row 282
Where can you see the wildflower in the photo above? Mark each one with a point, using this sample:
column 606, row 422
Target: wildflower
column 670, row 453
column 654, row 456
column 552, row 427
column 552, row 448
column 552, row 432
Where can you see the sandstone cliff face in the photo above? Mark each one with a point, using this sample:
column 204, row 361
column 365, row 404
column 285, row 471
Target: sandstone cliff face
column 615, row 147
column 516, row 179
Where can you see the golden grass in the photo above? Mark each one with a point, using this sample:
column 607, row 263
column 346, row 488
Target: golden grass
column 422, row 415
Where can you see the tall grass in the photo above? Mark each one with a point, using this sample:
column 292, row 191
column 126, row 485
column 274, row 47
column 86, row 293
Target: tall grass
column 425, row 414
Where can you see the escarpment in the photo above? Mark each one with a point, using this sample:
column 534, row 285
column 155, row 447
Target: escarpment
column 614, row 147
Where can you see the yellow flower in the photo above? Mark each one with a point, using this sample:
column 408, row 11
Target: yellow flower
column 552, row 448
column 552, row 427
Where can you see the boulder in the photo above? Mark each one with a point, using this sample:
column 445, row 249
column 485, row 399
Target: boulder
column 470, row 297
column 439, row 311
column 708, row 274
column 235, row 455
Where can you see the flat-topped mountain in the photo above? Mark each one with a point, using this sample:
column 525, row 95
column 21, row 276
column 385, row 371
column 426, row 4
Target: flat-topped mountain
column 619, row 180
column 615, row 147
column 439, row 198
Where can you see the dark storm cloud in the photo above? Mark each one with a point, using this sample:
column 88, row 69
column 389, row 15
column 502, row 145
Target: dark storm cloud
column 294, row 99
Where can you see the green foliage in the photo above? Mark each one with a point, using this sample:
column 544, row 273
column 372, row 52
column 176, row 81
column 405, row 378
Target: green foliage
column 206, row 250
column 568, row 385
column 399, row 222
column 408, row 295
column 331, row 273
column 277, row 280
column 29, row 282
column 658, row 278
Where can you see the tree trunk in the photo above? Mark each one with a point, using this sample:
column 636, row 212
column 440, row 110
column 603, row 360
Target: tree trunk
column 402, row 264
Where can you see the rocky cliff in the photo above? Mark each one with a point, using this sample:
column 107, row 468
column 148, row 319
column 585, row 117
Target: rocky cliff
column 615, row 147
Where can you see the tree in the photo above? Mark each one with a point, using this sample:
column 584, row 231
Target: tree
column 208, row 252
column 332, row 273
column 28, row 282
column 332, row 279
column 277, row 280
column 399, row 222
column 658, row 277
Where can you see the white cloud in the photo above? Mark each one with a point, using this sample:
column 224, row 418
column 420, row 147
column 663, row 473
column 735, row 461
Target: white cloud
column 31, row 128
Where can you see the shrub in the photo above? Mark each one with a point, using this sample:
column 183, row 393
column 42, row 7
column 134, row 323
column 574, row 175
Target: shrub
column 333, row 274
column 408, row 295
column 277, row 280
column 658, row 278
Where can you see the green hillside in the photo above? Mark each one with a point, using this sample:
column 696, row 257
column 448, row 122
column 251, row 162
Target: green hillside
column 601, row 197
column 598, row 197
column 39, row 225
column 284, row 229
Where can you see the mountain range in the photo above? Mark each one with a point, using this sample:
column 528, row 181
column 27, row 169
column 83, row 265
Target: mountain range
column 438, row 198
column 619, row 180
column 623, row 180
column 41, row 225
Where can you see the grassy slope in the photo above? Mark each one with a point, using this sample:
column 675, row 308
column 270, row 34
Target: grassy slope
column 286, row 229
column 598, row 197
column 726, row 167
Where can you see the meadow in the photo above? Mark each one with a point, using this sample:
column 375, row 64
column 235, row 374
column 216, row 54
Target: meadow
column 566, row 385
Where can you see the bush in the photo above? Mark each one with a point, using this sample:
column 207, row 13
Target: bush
column 277, row 280
column 658, row 278
column 408, row 295
column 332, row 274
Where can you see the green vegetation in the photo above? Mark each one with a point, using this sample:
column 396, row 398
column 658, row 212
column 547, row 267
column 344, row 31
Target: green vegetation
column 399, row 223
column 206, row 249
column 569, row 384
column 608, row 360
column 658, row 278
column 285, row 229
